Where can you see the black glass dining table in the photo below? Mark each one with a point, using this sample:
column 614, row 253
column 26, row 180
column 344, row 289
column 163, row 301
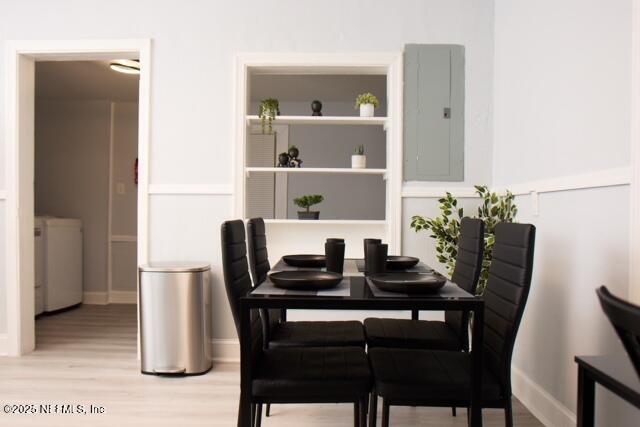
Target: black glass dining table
column 357, row 292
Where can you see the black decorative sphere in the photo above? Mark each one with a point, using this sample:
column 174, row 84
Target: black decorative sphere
column 316, row 107
column 293, row 152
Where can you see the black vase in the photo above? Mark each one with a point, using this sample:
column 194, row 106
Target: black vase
column 316, row 107
column 283, row 160
column 293, row 152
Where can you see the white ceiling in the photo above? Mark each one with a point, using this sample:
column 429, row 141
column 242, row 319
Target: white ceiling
column 306, row 88
column 84, row 80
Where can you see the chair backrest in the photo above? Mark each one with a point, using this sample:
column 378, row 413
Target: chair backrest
column 258, row 255
column 625, row 318
column 466, row 272
column 506, row 295
column 234, row 266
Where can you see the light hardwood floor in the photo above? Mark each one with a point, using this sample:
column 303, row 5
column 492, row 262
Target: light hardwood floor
column 87, row 356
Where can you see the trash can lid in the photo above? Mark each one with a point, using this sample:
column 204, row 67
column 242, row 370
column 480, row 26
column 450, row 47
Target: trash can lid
column 175, row 266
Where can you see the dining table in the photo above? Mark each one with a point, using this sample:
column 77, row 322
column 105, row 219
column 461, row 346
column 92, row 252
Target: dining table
column 357, row 292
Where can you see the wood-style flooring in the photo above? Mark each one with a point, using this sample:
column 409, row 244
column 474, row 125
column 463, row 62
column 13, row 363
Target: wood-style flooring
column 87, row 356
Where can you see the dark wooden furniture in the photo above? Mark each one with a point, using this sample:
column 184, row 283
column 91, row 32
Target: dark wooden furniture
column 615, row 373
column 359, row 297
column 408, row 377
column 453, row 333
column 287, row 375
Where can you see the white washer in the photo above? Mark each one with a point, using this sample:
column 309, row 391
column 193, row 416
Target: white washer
column 58, row 263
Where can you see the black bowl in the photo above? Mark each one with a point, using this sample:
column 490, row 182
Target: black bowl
column 409, row 283
column 305, row 279
column 308, row 261
column 397, row 262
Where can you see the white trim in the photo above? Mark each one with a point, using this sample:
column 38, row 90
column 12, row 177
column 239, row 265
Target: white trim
column 322, row 120
column 437, row 192
column 369, row 171
column 99, row 298
column 634, row 241
column 19, row 308
column 225, row 350
column 110, row 199
column 354, row 222
column 4, row 344
column 123, row 238
column 389, row 64
column 164, row 189
column 603, row 178
column 546, row 408
column 123, row 297
column 3, row 195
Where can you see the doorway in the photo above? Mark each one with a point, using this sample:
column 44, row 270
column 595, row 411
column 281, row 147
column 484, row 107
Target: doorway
column 20, row 160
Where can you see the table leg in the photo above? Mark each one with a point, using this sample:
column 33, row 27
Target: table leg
column 244, row 409
column 586, row 399
column 475, row 419
column 415, row 315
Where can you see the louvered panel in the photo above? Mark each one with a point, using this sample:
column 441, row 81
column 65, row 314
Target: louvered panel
column 261, row 185
column 261, row 150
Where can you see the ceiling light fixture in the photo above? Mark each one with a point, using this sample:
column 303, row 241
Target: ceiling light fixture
column 127, row 66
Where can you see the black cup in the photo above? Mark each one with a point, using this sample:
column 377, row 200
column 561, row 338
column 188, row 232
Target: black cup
column 334, row 254
column 376, row 259
column 335, row 239
column 366, row 242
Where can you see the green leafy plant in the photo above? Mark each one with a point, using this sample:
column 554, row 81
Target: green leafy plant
column 308, row 200
column 359, row 150
column 445, row 228
column 267, row 111
column 367, row 98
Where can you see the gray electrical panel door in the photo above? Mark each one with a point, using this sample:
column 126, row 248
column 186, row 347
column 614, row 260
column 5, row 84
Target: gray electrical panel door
column 433, row 113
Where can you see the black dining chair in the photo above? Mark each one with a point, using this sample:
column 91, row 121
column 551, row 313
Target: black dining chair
column 278, row 332
column 453, row 332
column 409, row 377
column 625, row 318
column 297, row 374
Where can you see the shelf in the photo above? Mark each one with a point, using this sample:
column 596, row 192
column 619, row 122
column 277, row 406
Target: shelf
column 326, row 221
column 365, row 171
column 323, row 120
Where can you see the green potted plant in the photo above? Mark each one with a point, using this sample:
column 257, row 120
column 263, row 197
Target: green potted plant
column 367, row 102
column 358, row 159
column 446, row 227
column 306, row 202
column 267, row 111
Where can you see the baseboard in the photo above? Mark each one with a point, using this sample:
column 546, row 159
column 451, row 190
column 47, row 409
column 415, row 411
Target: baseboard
column 225, row 350
column 123, row 297
column 4, row 344
column 546, row 408
column 99, row 298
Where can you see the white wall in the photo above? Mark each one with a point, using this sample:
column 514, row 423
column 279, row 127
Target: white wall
column 192, row 101
column 562, row 85
column 72, row 175
column 72, row 180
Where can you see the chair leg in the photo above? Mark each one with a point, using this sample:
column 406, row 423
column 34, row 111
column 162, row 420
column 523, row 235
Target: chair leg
column 259, row 415
column 508, row 413
column 454, row 413
column 373, row 409
column 356, row 414
column 363, row 411
column 268, row 409
column 385, row 413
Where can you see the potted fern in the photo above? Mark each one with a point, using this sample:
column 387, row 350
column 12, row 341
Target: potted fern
column 306, row 202
column 358, row 159
column 267, row 111
column 446, row 227
column 367, row 102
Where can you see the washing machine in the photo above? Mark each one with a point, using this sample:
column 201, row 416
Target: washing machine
column 58, row 263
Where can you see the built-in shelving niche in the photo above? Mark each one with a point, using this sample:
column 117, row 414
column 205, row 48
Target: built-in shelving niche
column 326, row 143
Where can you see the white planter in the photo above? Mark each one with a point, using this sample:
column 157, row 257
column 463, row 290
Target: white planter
column 358, row 161
column 366, row 110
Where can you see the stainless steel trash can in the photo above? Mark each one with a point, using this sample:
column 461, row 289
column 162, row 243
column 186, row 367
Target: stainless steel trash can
column 175, row 318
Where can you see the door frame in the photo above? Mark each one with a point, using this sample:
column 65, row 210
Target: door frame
column 19, row 140
column 634, row 241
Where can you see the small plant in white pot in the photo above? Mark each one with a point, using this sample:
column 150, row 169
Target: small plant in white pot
column 305, row 202
column 367, row 102
column 358, row 159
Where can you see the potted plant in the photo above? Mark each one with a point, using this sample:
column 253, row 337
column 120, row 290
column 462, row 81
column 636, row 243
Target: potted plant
column 306, row 202
column 358, row 159
column 267, row 111
column 367, row 103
